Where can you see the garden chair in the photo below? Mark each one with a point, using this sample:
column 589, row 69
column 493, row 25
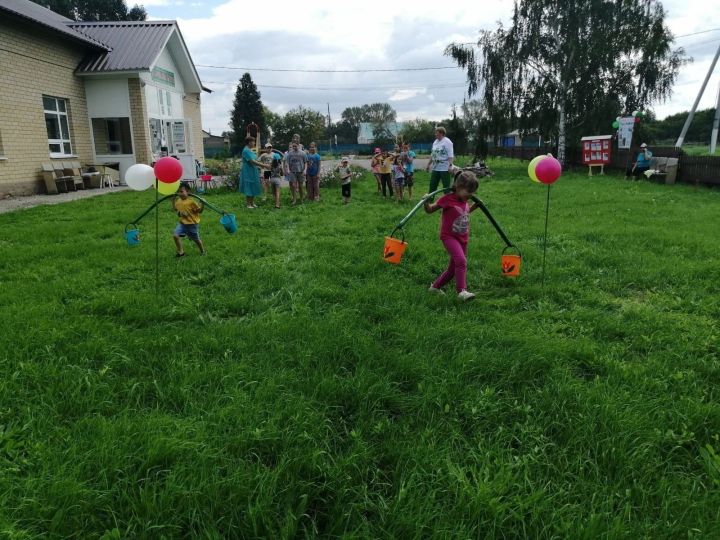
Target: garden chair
column 60, row 174
column 70, row 171
column 53, row 183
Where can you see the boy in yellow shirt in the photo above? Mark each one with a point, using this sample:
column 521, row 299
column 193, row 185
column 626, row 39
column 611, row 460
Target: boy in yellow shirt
column 189, row 213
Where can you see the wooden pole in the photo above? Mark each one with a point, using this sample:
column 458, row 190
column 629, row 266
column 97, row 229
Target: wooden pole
column 157, row 240
column 547, row 213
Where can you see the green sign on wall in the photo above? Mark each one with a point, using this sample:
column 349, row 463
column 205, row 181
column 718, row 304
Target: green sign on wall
column 164, row 76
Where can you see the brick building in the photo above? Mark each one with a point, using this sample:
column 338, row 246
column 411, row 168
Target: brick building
column 114, row 93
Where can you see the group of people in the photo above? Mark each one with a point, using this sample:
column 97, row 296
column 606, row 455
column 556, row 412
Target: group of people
column 395, row 171
column 300, row 167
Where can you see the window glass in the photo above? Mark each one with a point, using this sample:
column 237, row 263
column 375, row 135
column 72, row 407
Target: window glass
column 112, row 136
column 57, row 126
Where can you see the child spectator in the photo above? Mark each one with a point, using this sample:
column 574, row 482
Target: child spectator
column 409, row 161
column 386, row 163
column 276, row 175
column 266, row 158
column 455, row 232
column 399, row 177
column 313, row 174
column 188, row 212
column 297, row 167
column 345, row 176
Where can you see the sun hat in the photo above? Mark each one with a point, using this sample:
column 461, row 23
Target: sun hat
column 344, row 158
column 643, row 145
column 268, row 145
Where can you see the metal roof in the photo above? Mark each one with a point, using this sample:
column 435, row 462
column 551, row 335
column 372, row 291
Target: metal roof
column 135, row 44
column 38, row 14
column 366, row 129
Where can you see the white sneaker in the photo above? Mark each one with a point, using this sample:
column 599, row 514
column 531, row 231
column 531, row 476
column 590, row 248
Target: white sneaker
column 436, row 291
column 465, row 295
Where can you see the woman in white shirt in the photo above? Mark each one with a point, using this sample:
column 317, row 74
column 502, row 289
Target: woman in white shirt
column 441, row 160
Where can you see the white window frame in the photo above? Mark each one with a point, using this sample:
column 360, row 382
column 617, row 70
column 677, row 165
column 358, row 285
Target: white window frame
column 59, row 114
column 161, row 102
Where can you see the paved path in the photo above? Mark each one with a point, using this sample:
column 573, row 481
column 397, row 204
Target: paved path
column 18, row 203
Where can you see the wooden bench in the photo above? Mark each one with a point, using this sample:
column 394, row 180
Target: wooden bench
column 55, row 183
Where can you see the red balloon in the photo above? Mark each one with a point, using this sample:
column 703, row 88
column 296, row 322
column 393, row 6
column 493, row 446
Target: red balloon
column 548, row 170
column 168, row 170
column 637, row 119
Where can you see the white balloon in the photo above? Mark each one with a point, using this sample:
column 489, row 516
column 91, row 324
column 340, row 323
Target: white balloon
column 140, row 177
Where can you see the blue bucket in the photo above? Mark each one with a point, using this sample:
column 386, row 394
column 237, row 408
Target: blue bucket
column 132, row 235
column 228, row 221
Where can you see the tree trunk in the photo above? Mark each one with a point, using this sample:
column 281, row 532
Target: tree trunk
column 561, row 130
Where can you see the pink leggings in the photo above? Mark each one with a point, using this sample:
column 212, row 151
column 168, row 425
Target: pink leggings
column 457, row 267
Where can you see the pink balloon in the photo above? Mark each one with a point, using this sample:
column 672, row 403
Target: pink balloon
column 548, row 170
column 168, row 170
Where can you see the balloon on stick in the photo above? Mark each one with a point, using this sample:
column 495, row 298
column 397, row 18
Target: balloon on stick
column 548, row 170
column 140, row 177
column 532, row 166
column 165, row 188
column 616, row 124
column 168, row 170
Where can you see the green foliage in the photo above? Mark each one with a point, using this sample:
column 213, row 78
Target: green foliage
column 247, row 108
column 576, row 64
column 95, row 10
column 307, row 123
column 292, row 385
column 418, row 130
column 669, row 128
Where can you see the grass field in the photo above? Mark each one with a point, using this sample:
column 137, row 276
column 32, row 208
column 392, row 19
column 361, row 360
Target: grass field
column 291, row 384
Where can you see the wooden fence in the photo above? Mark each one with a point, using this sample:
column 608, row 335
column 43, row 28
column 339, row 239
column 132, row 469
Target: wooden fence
column 691, row 169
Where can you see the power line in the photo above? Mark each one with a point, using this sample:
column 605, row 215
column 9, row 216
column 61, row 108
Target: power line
column 698, row 33
column 348, row 88
column 329, row 70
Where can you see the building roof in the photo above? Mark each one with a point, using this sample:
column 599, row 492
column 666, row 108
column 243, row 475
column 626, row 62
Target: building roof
column 135, row 44
column 38, row 14
column 366, row 129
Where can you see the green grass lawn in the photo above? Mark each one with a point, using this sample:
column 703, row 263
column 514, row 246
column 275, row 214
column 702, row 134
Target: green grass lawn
column 292, row 384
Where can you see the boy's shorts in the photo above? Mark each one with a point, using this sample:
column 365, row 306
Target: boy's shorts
column 296, row 177
column 345, row 190
column 409, row 182
column 276, row 181
column 400, row 181
column 266, row 175
column 192, row 230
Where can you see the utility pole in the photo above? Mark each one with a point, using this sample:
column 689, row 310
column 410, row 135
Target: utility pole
column 328, row 116
column 716, row 125
column 685, row 128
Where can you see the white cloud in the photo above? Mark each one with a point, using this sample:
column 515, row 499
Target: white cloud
column 402, row 95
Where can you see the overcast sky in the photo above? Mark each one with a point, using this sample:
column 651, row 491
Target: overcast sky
column 376, row 34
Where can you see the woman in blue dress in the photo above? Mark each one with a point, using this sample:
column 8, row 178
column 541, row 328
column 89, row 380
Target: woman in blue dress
column 249, row 176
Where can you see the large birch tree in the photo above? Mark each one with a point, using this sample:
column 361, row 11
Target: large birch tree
column 569, row 68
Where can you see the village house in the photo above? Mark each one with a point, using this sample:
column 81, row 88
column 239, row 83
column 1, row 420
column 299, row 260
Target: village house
column 96, row 93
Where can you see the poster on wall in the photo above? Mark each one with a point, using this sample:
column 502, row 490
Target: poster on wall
column 625, row 132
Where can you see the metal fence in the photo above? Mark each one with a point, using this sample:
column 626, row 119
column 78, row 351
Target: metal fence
column 691, row 169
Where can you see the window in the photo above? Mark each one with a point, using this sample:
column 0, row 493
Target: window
column 162, row 102
column 58, row 130
column 112, row 136
column 168, row 102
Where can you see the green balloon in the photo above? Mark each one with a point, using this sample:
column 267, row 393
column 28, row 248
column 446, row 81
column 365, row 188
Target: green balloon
column 616, row 124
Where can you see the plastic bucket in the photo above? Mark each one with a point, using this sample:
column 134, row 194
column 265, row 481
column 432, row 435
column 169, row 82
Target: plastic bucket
column 510, row 263
column 206, row 177
column 229, row 222
column 132, row 235
column 394, row 250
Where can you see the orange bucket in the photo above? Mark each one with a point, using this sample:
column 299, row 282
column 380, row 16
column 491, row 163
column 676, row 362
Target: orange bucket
column 394, row 250
column 510, row 263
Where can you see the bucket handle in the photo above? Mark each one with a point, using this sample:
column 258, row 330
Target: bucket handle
column 402, row 231
column 134, row 225
column 511, row 246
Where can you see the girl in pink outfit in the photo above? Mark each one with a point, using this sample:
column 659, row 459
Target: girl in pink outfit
column 455, row 231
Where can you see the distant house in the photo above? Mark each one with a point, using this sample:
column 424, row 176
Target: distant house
column 214, row 144
column 515, row 139
column 366, row 133
column 115, row 93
